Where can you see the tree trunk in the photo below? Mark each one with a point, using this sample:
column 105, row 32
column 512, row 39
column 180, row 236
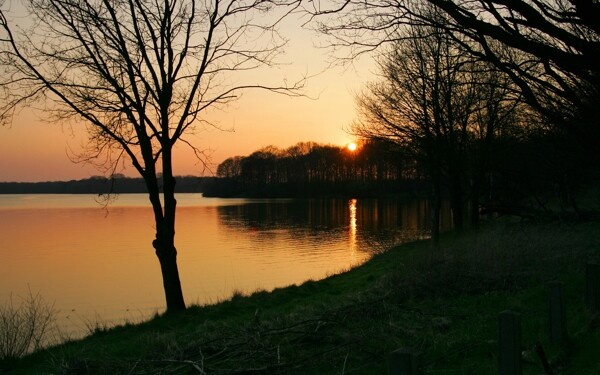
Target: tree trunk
column 167, row 256
column 435, row 222
column 436, row 206
column 165, row 241
column 457, row 207
column 474, row 215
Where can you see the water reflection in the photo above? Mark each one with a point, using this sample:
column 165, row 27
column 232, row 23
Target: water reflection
column 352, row 229
column 368, row 224
column 93, row 264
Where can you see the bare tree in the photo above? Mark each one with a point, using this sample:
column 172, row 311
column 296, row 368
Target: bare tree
column 443, row 104
column 140, row 74
column 549, row 48
column 424, row 102
column 499, row 114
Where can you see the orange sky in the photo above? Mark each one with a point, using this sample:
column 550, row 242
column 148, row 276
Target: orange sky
column 32, row 150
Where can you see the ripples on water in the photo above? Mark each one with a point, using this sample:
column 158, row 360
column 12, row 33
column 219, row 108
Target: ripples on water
column 97, row 264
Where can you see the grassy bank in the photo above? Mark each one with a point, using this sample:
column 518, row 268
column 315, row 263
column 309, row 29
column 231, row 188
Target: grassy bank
column 444, row 303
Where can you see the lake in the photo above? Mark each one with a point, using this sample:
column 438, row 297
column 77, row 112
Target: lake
column 95, row 262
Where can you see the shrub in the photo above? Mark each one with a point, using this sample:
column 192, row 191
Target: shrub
column 24, row 327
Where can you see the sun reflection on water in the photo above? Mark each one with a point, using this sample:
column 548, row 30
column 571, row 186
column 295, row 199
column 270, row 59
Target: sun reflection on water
column 353, row 227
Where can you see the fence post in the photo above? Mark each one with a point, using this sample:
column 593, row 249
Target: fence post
column 558, row 316
column 509, row 343
column 404, row 361
column 592, row 286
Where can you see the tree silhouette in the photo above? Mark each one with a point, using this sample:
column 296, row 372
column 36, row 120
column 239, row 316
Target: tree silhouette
column 140, row 74
column 559, row 43
column 421, row 103
column 442, row 104
column 550, row 49
column 309, row 169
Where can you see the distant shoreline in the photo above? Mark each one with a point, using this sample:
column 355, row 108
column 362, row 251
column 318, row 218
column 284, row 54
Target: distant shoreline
column 97, row 185
column 217, row 187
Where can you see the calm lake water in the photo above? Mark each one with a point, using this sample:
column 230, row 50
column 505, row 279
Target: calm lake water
column 98, row 265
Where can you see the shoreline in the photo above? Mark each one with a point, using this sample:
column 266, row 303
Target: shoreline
column 444, row 301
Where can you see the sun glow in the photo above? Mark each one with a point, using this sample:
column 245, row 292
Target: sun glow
column 352, row 146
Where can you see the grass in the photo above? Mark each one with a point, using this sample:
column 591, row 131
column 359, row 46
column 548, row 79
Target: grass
column 444, row 303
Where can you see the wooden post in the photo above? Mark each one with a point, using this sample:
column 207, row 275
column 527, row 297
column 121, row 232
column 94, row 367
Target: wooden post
column 592, row 286
column 404, row 361
column 509, row 343
column 558, row 316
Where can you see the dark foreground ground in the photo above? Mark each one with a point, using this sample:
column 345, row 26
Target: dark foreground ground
column 443, row 303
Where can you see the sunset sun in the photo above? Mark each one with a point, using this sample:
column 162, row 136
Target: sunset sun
column 352, row 146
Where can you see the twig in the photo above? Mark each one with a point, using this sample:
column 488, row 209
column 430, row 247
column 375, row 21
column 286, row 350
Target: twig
column 345, row 360
column 539, row 350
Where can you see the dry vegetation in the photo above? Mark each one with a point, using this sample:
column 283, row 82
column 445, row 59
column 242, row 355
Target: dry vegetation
column 25, row 326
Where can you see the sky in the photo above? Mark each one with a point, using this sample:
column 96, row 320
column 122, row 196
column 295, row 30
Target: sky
column 34, row 150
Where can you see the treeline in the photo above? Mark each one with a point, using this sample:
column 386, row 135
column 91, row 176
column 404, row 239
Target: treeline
column 308, row 169
column 118, row 184
column 525, row 170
